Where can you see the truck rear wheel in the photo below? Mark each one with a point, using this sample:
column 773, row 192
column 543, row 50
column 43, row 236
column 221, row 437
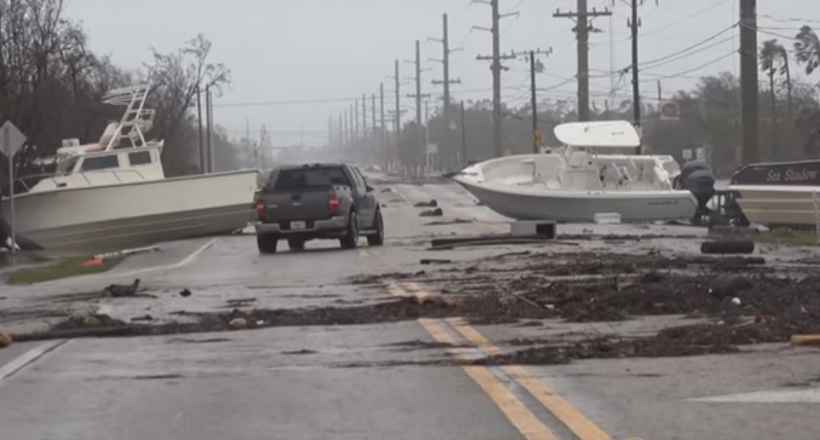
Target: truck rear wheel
column 266, row 243
column 377, row 238
column 351, row 238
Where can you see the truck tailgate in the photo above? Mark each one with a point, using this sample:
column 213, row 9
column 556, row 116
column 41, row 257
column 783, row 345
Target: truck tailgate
column 303, row 205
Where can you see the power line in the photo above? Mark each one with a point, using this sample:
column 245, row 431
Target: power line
column 290, row 102
column 694, row 69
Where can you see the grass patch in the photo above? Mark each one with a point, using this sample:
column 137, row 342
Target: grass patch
column 59, row 269
column 788, row 236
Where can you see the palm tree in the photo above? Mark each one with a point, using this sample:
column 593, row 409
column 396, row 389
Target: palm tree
column 807, row 49
column 768, row 64
column 775, row 57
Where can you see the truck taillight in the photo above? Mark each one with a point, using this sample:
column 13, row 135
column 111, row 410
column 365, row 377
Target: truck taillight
column 332, row 203
column 260, row 208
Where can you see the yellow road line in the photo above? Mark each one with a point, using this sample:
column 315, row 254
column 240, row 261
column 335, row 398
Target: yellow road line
column 516, row 412
column 576, row 421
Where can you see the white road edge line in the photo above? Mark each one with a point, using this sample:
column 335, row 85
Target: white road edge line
column 8, row 370
column 184, row 262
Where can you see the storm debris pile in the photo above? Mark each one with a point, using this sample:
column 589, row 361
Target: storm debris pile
column 743, row 301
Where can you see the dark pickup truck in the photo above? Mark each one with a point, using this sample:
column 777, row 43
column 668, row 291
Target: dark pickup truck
column 299, row 203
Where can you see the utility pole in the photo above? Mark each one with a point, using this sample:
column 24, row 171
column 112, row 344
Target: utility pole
column 341, row 132
column 329, row 132
column 582, row 28
column 199, row 123
column 748, row 80
column 463, row 136
column 536, row 135
column 446, row 82
column 351, row 127
column 364, row 115
column 535, row 67
column 356, row 121
column 634, row 24
column 373, row 139
column 208, row 117
column 373, row 112
column 397, row 116
column 496, row 68
column 346, row 128
column 381, row 124
column 419, row 96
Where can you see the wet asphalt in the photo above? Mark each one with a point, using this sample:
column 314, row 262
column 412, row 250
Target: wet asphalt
column 360, row 382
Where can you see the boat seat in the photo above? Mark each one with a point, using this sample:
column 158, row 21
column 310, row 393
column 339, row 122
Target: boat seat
column 580, row 178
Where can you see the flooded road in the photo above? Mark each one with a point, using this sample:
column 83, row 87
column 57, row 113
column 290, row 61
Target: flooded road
column 380, row 371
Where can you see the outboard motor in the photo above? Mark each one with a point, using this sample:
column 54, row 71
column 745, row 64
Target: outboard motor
column 701, row 183
column 686, row 170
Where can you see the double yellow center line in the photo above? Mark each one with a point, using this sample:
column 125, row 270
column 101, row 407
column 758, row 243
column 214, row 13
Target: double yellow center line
column 524, row 420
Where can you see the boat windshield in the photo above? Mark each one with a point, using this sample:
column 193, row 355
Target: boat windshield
column 67, row 166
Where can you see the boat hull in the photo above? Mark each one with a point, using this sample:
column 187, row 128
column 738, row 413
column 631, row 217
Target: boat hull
column 566, row 207
column 112, row 217
column 774, row 206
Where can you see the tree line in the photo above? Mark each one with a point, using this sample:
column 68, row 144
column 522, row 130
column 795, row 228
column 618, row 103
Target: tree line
column 52, row 86
column 708, row 116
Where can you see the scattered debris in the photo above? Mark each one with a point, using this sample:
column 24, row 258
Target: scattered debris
column 5, row 340
column 185, row 293
column 380, row 278
column 457, row 221
column 302, row 351
column 811, row 340
column 142, row 318
column 419, row 344
column 122, row 290
column 431, row 204
column 437, row 212
column 199, row 341
column 238, row 323
column 727, row 247
column 426, row 261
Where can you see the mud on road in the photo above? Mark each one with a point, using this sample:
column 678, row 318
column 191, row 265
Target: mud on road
column 740, row 301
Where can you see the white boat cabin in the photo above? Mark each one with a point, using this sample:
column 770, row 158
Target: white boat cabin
column 117, row 166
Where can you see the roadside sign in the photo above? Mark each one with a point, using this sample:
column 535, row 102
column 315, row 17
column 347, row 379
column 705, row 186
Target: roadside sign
column 670, row 110
column 12, row 139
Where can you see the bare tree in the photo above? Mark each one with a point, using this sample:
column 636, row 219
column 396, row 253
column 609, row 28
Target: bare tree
column 176, row 78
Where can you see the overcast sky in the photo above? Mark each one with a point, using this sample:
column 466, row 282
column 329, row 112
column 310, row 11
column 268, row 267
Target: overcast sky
column 332, row 51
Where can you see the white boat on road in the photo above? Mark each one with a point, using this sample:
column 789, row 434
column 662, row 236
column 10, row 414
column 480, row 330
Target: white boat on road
column 574, row 183
column 114, row 193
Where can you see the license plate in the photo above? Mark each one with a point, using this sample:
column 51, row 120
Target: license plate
column 298, row 225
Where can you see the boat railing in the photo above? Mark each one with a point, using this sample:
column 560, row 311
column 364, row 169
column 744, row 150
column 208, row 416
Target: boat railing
column 53, row 177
